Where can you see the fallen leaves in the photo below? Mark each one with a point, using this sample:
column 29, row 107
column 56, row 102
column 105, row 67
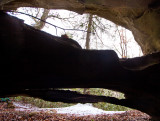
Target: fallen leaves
column 8, row 114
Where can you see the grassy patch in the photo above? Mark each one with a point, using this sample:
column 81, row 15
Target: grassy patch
column 94, row 91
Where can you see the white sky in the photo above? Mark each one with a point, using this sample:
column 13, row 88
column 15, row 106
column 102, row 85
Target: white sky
column 108, row 41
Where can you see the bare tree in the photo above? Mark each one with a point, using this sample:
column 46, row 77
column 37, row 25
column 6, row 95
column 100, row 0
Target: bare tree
column 89, row 27
column 40, row 24
column 123, row 41
column 88, row 36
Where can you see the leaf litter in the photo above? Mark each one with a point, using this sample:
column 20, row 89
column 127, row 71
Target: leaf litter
column 79, row 112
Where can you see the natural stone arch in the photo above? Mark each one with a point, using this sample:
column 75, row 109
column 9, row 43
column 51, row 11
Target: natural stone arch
column 32, row 70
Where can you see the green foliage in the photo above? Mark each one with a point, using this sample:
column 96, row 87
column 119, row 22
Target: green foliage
column 4, row 99
column 94, row 91
column 110, row 107
column 104, row 105
column 40, row 103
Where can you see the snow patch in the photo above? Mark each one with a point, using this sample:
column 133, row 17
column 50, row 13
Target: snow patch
column 25, row 107
column 77, row 110
column 84, row 109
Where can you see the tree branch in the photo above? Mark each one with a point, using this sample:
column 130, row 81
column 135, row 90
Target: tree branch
column 50, row 23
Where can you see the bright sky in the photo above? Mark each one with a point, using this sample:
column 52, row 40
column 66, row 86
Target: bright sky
column 109, row 42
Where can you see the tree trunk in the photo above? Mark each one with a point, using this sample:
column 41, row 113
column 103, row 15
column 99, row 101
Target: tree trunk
column 40, row 24
column 89, row 27
column 89, row 31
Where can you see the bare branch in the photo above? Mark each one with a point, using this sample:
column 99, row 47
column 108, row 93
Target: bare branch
column 50, row 23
